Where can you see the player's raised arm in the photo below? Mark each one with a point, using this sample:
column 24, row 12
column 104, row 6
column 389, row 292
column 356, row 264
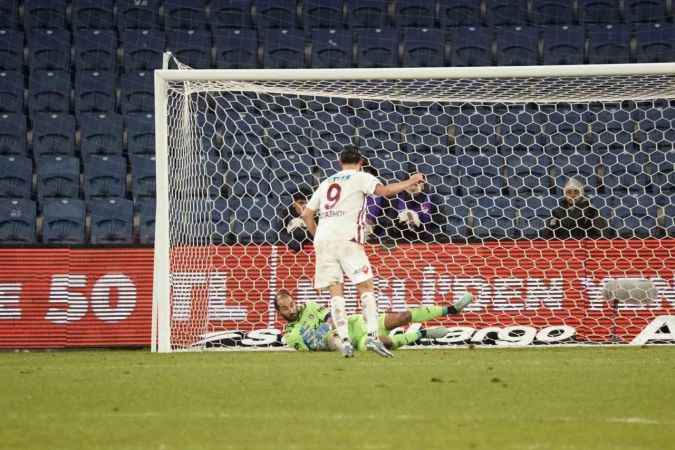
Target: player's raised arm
column 388, row 190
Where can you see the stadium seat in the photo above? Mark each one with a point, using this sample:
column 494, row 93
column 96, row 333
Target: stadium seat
column 112, row 221
column 460, row 13
column 254, row 219
column 64, row 221
column 140, row 134
column 93, row 14
column 105, row 176
column 12, row 134
column 146, row 221
column 507, row 12
column 323, row 14
column 290, row 170
column 95, row 50
column 16, row 177
column 553, row 12
column 11, row 92
column 284, row 49
column 518, row 46
column 49, row 49
column 185, row 14
column 100, row 134
column 415, row 13
column 275, row 14
column 94, row 92
column 17, row 221
column 49, row 91
column 44, row 14
column 563, row 45
column 638, row 11
column 137, row 92
column 142, row 49
column 9, row 14
column 377, row 48
column 471, row 46
column 236, row 49
column 11, row 49
column 494, row 218
column 191, row 47
column 132, row 14
column 53, row 135
column 230, row 14
column 654, row 43
column 142, row 177
column 423, row 47
column 332, row 48
column 600, row 11
column 368, row 14
column 608, row 44
column 57, row 177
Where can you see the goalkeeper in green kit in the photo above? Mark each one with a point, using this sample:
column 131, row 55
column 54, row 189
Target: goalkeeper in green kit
column 310, row 327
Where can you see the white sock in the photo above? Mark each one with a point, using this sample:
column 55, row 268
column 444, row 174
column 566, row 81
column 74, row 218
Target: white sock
column 337, row 308
column 369, row 304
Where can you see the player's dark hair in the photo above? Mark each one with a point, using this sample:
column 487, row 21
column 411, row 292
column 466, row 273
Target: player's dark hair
column 350, row 155
column 280, row 293
column 303, row 193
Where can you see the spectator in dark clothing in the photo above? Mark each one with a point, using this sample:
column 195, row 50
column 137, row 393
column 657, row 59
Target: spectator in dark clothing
column 414, row 215
column 575, row 218
column 294, row 231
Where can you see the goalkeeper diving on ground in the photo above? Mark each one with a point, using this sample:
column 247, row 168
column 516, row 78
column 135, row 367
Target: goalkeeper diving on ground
column 310, row 327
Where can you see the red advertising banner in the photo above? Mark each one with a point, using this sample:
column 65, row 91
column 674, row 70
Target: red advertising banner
column 527, row 292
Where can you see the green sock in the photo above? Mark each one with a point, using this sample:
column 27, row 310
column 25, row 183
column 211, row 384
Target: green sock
column 401, row 339
column 427, row 313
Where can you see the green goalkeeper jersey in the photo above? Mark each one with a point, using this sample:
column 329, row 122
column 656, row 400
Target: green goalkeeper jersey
column 309, row 332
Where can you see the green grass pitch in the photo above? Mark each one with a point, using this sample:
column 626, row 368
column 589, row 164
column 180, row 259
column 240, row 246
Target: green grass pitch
column 558, row 398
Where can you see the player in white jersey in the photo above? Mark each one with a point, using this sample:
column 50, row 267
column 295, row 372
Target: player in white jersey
column 340, row 201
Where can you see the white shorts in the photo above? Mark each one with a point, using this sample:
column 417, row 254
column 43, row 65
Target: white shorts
column 337, row 258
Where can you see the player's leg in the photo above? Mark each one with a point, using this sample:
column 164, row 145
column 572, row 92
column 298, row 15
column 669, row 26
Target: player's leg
column 374, row 341
column 424, row 313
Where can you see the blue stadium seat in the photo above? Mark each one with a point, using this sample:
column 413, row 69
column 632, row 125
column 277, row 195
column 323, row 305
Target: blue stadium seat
column 460, row 13
column 105, row 176
column 137, row 92
column 423, row 47
column 49, row 49
column 230, row 14
column 11, row 92
column 284, row 49
column 146, row 221
column 112, row 221
column 236, row 49
column 563, row 45
column 9, row 14
column 17, row 221
column 44, row 14
column 534, row 213
column 471, row 46
column 12, row 134
column 11, row 49
column 507, row 12
column 553, row 12
column 323, row 14
column 638, row 11
column 93, row 14
column 368, row 14
column 49, row 91
column 290, row 170
column 600, row 11
column 94, row 92
column 16, row 177
column 191, row 47
column 254, row 219
column 608, row 44
column 134, row 14
column 332, row 48
column 95, row 50
column 477, row 176
column 527, row 175
column 518, row 46
column 249, row 172
column 142, row 177
column 140, row 134
column 57, row 177
column 64, row 221
column 377, row 48
column 100, row 134
column 185, row 14
column 654, row 43
column 494, row 218
column 415, row 13
column 142, row 49
column 53, row 135
column 275, row 14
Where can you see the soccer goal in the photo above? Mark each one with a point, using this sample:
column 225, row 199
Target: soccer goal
column 550, row 196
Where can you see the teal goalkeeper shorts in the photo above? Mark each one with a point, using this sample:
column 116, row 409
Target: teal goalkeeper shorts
column 358, row 331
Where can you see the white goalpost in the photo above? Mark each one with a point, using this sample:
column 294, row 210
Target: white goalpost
column 499, row 146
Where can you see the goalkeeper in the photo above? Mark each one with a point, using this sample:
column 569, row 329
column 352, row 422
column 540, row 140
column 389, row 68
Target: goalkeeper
column 310, row 327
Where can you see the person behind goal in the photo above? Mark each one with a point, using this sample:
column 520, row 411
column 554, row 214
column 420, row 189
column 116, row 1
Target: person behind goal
column 340, row 201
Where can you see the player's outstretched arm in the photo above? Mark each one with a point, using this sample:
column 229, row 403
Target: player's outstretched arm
column 308, row 215
column 388, row 190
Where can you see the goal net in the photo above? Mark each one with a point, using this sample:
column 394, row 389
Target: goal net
column 550, row 196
